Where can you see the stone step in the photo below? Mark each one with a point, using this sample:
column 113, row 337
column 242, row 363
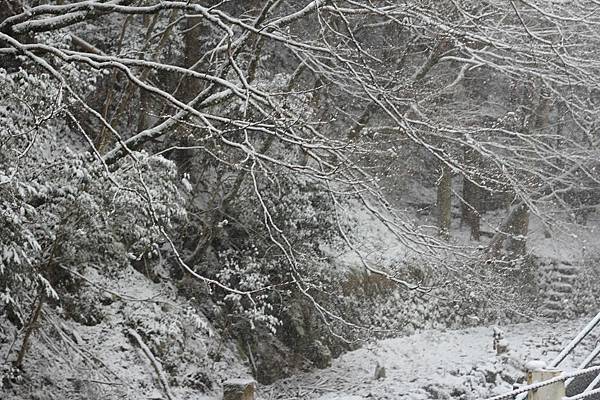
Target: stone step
column 547, row 268
column 554, row 296
column 553, row 314
column 567, row 269
column 553, row 266
column 561, row 287
column 554, row 305
column 558, row 277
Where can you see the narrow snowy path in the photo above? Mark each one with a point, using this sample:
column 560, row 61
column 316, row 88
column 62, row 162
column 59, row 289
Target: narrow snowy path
column 433, row 365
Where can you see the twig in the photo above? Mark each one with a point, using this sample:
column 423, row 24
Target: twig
column 251, row 357
column 79, row 43
column 154, row 362
column 95, row 381
column 120, row 296
column 84, row 353
column 29, row 330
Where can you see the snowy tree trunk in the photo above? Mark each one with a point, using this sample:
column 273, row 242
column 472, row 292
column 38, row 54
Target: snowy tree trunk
column 196, row 29
column 513, row 230
column 517, row 241
column 444, row 202
column 472, row 195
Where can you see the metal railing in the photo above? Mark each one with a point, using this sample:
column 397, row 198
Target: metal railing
column 567, row 377
column 538, row 385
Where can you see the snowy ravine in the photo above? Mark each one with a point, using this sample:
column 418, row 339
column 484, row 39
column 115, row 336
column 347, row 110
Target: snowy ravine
column 434, row 365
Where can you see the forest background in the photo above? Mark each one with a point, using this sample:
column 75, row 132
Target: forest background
column 275, row 181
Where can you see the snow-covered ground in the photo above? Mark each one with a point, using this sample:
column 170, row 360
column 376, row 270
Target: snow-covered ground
column 562, row 241
column 435, row 365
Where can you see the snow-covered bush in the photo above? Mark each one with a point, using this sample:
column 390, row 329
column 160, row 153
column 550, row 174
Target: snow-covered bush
column 61, row 211
column 247, row 253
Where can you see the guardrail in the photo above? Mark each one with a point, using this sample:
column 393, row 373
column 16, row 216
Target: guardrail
column 566, row 378
column 538, row 385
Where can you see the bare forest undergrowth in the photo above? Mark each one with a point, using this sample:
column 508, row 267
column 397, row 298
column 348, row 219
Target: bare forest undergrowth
column 202, row 190
column 76, row 357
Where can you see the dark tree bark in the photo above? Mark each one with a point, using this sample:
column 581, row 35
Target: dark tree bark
column 196, row 30
column 512, row 235
column 472, row 195
column 444, row 202
column 517, row 241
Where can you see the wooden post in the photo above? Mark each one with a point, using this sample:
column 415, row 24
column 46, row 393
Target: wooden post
column 555, row 391
column 239, row 389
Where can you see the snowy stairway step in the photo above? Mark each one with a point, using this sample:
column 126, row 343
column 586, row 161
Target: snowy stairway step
column 562, row 287
column 557, row 277
column 554, row 305
column 567, row 269
column 556, row 314
column 554, row 296
column 547, row 268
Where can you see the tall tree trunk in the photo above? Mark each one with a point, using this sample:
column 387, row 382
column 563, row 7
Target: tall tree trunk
column 196, row 31
column 517, row 241
column 444, row 201
column 512, row 235
column 472, row 194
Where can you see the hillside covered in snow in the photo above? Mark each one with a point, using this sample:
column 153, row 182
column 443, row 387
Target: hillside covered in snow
column 292, row 191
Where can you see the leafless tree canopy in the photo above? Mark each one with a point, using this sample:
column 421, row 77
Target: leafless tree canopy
column 253, row 99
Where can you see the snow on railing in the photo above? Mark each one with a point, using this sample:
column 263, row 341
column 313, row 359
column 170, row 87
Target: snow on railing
column 585, row 363
column 567, row 378
column 537, row 385
column 580, row 336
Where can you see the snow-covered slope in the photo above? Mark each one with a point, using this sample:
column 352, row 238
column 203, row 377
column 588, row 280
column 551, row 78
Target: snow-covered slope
column 70, row 360
column 435, row 365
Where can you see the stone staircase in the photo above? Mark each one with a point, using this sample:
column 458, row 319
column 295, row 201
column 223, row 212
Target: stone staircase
column 556, row 287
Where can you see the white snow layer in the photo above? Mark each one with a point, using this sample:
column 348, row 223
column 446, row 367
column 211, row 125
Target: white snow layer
column 435, row 364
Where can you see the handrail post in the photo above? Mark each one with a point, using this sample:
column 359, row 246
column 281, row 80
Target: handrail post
column 555, row 391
